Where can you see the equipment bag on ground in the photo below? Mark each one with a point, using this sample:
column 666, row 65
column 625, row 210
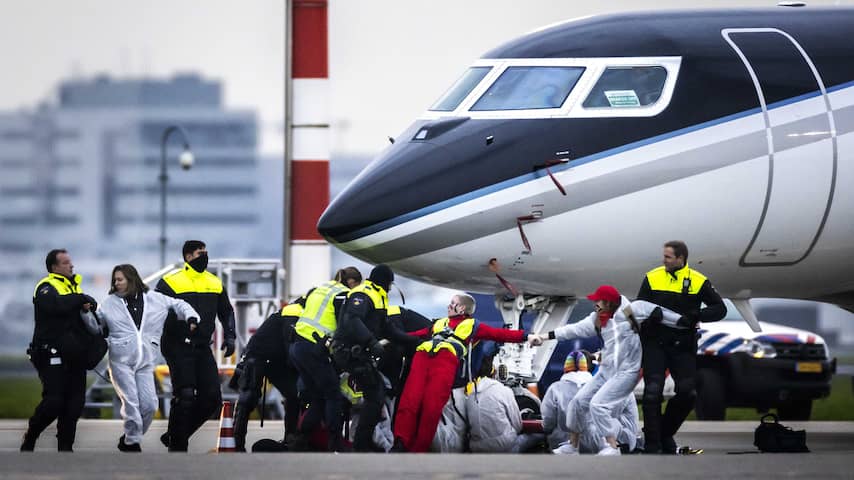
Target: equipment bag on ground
column 771, row 436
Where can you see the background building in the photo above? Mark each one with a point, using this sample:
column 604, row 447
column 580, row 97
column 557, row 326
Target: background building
column 82, row 174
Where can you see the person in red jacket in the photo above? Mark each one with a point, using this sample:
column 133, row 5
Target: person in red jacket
column 434, row 368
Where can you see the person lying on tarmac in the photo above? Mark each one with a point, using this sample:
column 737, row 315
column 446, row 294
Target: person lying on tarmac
column 266, row 357
column 134, row 317
column 615, row 321
column 434, row 368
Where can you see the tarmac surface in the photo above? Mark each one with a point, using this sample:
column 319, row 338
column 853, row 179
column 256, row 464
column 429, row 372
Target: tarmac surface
column 728, row 453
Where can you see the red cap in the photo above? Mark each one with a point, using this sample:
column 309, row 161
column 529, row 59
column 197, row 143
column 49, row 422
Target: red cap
column 605, row 292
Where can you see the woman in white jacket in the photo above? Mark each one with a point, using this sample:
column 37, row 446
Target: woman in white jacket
column 133, row 317
column 597, row 404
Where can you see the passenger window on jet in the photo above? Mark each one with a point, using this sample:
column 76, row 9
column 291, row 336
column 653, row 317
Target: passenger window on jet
column 452, row 98
column 528, row 88
column 622, row 87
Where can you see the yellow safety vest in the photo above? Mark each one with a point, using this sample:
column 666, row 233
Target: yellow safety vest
column 377, row 294
column 393, row 310
column 189, row 280
column 444, row 338
column 292, row 310
column 62, row 285
column 659, row 279
column 318, row 316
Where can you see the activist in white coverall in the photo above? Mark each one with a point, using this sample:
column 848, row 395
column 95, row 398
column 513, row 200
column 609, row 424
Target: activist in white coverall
column 555, row 405
column 450, row 435
column 134, row 318
column 598, row 403
column 494, row 416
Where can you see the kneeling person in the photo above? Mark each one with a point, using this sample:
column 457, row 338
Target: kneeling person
column 266, row 356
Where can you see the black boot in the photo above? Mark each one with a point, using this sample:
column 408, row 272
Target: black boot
column 241, row 423
column 28, row 442
column 124, row 447
column 668, row 446
column 164, row 439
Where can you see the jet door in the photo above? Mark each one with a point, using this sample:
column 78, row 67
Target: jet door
column 801, row 145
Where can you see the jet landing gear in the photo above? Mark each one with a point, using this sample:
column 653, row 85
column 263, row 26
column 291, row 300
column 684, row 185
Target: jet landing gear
column 519, row 364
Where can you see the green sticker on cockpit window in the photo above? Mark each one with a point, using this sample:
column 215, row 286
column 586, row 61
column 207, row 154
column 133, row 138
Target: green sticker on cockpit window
column 622, row 98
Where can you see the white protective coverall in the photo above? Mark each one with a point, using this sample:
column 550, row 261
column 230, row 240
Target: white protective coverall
column 555, row 406
column 133, row 353
column 494, row 417
column 452, row 426
column 598, row 404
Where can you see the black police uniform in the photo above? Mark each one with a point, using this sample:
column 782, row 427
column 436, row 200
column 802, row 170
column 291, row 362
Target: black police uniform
column 682, row 291
column 355, row 346
column 58, row 351
column 266, row 355
column 192, row 367
column 309, row 353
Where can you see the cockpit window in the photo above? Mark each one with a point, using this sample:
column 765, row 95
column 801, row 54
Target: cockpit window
column 528, row 88
column 452, row 98
column 626, row 87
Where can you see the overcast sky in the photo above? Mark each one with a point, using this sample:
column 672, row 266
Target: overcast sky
column 389, row 59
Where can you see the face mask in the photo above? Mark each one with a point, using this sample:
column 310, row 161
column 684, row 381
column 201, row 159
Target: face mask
column 199, row 263
column 604, row 316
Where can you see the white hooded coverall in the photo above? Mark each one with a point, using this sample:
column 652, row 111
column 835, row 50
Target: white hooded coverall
column 452, row 426
column 555, row 407
column 133, row 354
column 494, row 417
column 598, row 404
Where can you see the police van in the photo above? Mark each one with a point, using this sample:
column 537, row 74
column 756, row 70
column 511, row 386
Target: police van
column 780, row 367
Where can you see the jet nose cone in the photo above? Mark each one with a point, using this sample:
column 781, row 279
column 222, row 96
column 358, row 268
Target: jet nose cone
column 405, row 179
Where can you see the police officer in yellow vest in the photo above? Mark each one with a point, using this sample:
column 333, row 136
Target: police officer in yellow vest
column 266, row 356
column 357, row 345
column 58, row 351
column 310, row 355
column 192, row 367
column 682, row 289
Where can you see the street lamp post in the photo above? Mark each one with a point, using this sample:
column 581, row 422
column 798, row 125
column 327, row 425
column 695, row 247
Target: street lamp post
column 186, row 159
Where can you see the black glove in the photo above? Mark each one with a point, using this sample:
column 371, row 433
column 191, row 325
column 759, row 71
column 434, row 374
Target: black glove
column 377, row 349
column 655, row 317
column 687, row 321
column 228, row 347
column 93, row 305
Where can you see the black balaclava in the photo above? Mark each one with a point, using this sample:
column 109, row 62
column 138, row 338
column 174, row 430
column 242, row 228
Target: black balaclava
column 200, row 263
column 382, row 276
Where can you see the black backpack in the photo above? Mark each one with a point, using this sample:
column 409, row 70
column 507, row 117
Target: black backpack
column 771, row 436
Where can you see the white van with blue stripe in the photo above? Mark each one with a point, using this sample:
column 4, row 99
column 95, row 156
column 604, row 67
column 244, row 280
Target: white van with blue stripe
column 780, row 367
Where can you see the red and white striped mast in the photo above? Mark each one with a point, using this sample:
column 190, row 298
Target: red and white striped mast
column 306, row 255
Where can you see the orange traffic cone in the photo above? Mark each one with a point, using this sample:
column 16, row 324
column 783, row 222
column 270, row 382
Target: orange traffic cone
column 225, row 443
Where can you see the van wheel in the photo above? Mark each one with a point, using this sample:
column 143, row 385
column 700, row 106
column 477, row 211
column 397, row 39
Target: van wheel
column 711, row 395
column 799, row 409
